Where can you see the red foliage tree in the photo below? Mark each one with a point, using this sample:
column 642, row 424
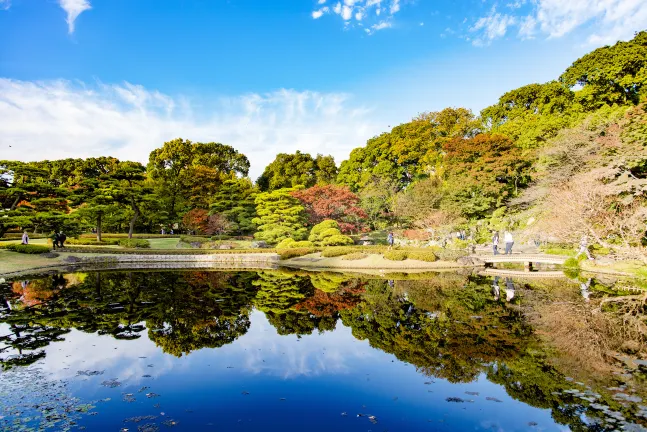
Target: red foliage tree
column 196, row 220
column 332, row 202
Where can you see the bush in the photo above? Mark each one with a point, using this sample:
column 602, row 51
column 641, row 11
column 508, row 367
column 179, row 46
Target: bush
column 324, row 229
column 27, row 249
column 194, row 239
column 90, row 242
column 450, row 254
column 295, row 252
column 395, row 255
column 355, row 256
column 572, row 263
column 135, row 243
column 290, row 243
column 337, row 240
column 423, row 256
column 337, row 251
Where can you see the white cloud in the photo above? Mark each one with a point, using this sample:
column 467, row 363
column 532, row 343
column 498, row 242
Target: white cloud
column 73, row 8
column 321, row 2
column 60, row 119
column 491, row 27
column 319, row 13
column 603, row 21
column 5, row 4
column 368, row 11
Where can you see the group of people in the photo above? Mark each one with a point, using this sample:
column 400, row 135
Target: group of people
column 508, row 240
column 509, row 289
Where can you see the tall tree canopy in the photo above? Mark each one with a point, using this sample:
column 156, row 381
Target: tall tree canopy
column 187, row 174
column 332, row 202
column 298, row 169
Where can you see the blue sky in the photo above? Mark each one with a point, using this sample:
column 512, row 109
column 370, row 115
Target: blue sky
column 89, row 77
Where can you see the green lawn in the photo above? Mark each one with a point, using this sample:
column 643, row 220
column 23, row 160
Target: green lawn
column 163, row 243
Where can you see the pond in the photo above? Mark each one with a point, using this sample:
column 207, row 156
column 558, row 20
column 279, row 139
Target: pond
column 288, row 350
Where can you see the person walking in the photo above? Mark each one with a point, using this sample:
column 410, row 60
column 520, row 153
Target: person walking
column 509, row 289
column 61, row 239
column 25, row 238
column 54, row 238
column 495, row 243
column 584, row 248
column 509, row 242
column 390, row 239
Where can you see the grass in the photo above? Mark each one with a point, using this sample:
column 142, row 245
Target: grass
column 163, row 243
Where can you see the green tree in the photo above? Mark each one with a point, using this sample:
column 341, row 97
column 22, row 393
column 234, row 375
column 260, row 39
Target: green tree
column 280, row 216
column 235, row 200
column 298, row 169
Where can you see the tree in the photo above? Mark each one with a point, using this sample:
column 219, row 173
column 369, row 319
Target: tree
column 332, row 202
column 420, row 199
column 196, row 220
column 187, row 173
column 218, row 224
column 235, row 201
column 482, row 173
column 131, row 190
column 280, row 216
column 611, row 75
column 409, row 151
column 298, row 169
column 377, row 201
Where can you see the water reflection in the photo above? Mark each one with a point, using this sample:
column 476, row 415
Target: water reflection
column 454, row 328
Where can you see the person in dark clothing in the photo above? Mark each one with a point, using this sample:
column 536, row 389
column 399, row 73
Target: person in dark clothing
column 61, row 239
column 54, row 238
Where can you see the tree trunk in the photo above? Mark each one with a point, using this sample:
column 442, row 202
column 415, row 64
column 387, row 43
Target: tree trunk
column 99, row 227
column 133, row 220
column 15, row 202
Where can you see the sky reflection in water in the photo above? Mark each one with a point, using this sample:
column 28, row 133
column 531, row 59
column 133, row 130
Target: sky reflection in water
column 326, row 380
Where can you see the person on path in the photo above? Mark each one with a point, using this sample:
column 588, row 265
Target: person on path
column 390, row 239
column 509, row 242
column 584, row 289
column 495, row 243
column 61, row 239
column 496, row 290
column 584, row 248
column 509, row 289
column 25, row 238
column 54, row 238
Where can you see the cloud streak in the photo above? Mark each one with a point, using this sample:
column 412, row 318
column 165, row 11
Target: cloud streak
column 73, row 8
column 372, row 15
column 606, row 21
column 59, row 119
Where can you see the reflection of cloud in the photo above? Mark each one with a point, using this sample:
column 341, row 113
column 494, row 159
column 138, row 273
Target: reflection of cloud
column 87, row 351
column 262, row 350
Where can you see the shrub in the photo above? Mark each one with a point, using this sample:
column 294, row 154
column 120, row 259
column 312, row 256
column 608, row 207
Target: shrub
column 194, row 239
column 395, row 255
column 423, row 256
column 337, row 240
column 450, row 254
column 295, row 252
column 324, row 229
column 355, row 256
column 134, row 243
column 337, row 251
column 90, row 242
column 290, row 243
column 571, row 263
column 27, row 249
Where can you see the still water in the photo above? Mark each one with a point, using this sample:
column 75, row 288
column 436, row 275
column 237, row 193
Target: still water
column 276, row 350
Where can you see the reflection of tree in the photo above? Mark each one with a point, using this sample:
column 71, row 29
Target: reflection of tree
column 451, row 339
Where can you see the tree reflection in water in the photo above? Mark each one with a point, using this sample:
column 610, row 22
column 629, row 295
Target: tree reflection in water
column 447, row 325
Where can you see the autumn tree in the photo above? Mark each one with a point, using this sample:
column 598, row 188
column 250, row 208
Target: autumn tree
column 332, row 202
column 196, row 220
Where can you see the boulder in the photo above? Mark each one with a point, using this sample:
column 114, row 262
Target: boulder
column 470, row 261
column 225, row 247
column 259, row 244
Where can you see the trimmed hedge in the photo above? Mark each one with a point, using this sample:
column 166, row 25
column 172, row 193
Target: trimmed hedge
column 332, row 252
column 295, row 252
column 90, row 242
column 131, row 251
column 290, row 243
column 125, row 235
column 27, row 249
column 135, row 243
column 395, row 255
column 422, row 256
column 337, row 240
column 355, row 256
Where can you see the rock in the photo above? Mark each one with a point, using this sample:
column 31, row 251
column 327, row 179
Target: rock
column 50, row 255
column 225, row 247
column 72, row 259
column 196, row 245
column 259, row 244
column 470, row 261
